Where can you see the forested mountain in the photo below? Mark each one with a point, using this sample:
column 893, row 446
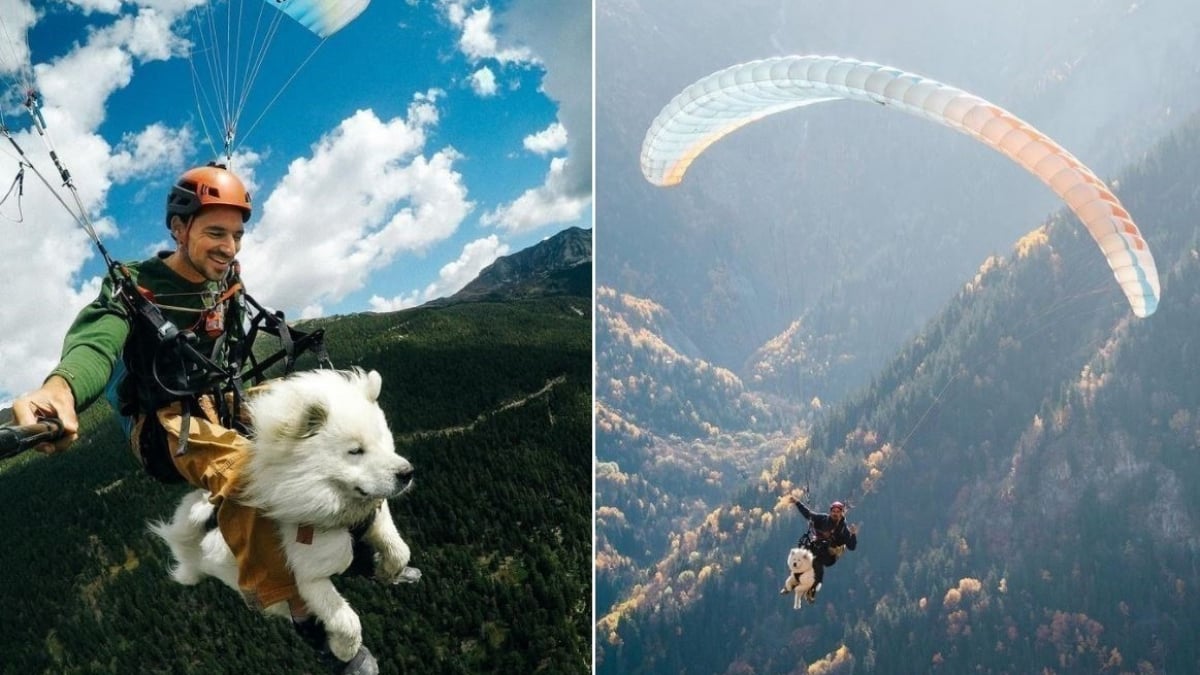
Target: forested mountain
column 1024, row 472
column 559, row 265
column 491, row 401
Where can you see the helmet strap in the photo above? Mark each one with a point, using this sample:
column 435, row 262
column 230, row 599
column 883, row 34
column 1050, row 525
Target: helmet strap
column 184, row 225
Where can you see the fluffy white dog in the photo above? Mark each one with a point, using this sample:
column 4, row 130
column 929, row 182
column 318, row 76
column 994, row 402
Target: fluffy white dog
column 802, row 577
column 323, row 458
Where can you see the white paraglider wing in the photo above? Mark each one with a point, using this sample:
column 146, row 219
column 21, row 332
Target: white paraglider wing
column 729, row 99
column 323, row 17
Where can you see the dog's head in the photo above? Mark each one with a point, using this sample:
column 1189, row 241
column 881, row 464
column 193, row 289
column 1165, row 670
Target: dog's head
column 800, row 560
column 323, row 452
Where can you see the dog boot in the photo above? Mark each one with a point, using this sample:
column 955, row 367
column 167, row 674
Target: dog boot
column 362, row 664
column 408, row 575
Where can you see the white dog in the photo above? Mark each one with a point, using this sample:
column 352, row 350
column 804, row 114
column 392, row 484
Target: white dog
column 802, row 577
column 323, row 458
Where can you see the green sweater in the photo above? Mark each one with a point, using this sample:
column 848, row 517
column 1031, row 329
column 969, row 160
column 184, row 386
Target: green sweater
column 97, row 337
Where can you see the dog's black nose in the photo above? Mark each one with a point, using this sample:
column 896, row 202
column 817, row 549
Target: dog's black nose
column 404, row 477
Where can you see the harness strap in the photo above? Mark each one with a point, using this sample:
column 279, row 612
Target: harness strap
column 289, row 347
column 185, row 425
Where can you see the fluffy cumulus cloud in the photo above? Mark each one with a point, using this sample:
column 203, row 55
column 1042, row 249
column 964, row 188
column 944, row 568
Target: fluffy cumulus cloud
column 144, row 153
column 549, row 34
column 366, row 195
column 46, row 252
column 82, row 81
column 547, row 141
column 478, row 39
column 16, row 16
column 104, row 6
column 551, row 202
column 483, row 82
column 452, row 277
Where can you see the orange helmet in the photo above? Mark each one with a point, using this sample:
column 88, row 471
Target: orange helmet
column 206, row 186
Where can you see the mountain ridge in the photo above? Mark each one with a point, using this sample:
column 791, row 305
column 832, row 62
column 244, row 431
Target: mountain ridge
column 558, row 265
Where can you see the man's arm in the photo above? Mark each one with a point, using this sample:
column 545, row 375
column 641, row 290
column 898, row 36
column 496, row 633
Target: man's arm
column 801, row 507
column 852, row 541
column 90, row 350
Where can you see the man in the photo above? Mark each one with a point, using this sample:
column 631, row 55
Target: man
column 171, row 410
column 828, row 538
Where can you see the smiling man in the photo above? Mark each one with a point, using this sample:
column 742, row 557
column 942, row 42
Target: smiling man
column 154, row 356
column 206, row 212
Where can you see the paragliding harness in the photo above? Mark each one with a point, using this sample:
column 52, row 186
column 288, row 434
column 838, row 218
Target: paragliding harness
column 163, row 362
column 165, row 365
column 819, row 544
column 824, row 554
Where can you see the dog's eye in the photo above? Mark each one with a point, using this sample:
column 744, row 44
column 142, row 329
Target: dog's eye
column 357, row 451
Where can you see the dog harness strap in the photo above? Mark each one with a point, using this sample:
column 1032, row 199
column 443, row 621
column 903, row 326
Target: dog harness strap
column 304, row 535
column 185, row 425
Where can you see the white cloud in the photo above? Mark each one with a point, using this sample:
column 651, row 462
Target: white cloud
column 478, row 41
column 453, row 276
column 145, row 153
column 81, row 81
column 550, row 202
column 45, row 254
column 483, row 82
column 103, row 6
column 547, row 141
column 365, row 196
column 379, row 304
column 553, row 32
column 17, row 17
column 554, row 35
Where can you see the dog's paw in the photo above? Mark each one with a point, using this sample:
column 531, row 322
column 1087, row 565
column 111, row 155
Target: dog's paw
column 408, row 575
column 186, row 574
column 391, row 561
column 345, row 634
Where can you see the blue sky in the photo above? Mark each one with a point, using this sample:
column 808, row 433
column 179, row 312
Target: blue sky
column 420, row 142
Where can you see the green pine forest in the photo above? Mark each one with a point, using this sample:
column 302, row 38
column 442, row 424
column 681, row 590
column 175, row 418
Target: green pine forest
column 492, row 404
column 1026, row 473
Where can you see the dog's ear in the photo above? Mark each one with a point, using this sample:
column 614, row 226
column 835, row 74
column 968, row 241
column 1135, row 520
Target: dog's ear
column 372, row 385
column 310, row 422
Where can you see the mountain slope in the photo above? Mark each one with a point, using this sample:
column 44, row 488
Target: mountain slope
column 560, row 265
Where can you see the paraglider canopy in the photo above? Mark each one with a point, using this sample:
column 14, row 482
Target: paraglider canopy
column 323, row 17
column 720, row 103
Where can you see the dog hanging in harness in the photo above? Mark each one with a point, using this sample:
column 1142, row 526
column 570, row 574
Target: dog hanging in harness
column 828, row 537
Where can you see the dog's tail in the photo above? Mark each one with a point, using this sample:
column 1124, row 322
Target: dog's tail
column 184, row 533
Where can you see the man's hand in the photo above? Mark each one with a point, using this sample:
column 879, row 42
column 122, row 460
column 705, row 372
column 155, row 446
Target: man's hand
column 54, row 399
column 854, row 530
